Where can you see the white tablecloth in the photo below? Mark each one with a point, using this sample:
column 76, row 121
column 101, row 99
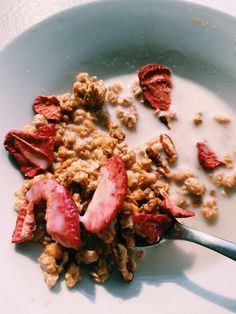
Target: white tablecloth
column 18, row 15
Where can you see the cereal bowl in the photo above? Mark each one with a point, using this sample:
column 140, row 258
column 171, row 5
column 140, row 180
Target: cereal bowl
column 112, row 40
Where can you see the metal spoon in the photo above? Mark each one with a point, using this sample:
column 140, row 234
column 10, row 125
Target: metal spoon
column 182, row 232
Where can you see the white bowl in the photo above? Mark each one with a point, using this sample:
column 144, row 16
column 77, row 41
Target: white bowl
column 110, row 38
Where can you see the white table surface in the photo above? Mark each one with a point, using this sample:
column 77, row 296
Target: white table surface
column 18, row 15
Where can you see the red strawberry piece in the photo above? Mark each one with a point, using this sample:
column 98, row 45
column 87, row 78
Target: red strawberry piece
column 155, row 82
column 151, row 226
column 207, row 157
column 32, row 152
column 47, row 130
column 47, row 106
column 25, row 224
column 62, row 218
column 108, row 197
column 174, row 210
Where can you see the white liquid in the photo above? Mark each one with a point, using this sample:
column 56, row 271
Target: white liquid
column 188, row 98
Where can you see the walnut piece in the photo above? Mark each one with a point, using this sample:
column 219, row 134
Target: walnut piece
column 169, row 148
column 167, row 117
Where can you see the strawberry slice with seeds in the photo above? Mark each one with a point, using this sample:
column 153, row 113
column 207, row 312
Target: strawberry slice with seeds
column 47, row 106
column 153, row 227
column 61, row 214
column 108, row 197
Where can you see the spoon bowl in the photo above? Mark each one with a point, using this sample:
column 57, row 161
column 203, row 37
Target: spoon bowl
column 181, row 232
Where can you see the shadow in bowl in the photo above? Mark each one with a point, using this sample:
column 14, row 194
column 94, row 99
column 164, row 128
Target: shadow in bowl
column 158, row 267
column 32, row 250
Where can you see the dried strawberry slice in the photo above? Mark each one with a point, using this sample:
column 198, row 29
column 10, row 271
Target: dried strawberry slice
column 47, row 106
column 25, row 224
column 174, row 210
column 153, row 227
column 108, row 197
column 32, row 152
column 62, row 218
column 207, row 157
column 155, row 82
column 47, row 130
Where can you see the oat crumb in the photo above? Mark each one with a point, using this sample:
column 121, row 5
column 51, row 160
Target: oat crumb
column 228, row 161
column 197, row 118
column 88, row 90
column 222, row 119
column 180, row 175
column 194, row 187
column 128, row 118
column 210, row 209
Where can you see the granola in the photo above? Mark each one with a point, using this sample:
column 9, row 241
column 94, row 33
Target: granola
column 197, row 118
column 80, row 153
column 210, row 210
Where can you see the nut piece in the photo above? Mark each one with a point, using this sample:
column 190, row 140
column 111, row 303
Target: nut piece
column 162, row 167
column 194, row 187
column 197, row 118
column 155, row 157
column 167, row 117
column 210, row 209
column 169, row 148
column 88, row 90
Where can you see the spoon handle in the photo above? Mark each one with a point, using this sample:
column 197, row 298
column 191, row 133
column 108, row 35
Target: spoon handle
column 219, row 245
